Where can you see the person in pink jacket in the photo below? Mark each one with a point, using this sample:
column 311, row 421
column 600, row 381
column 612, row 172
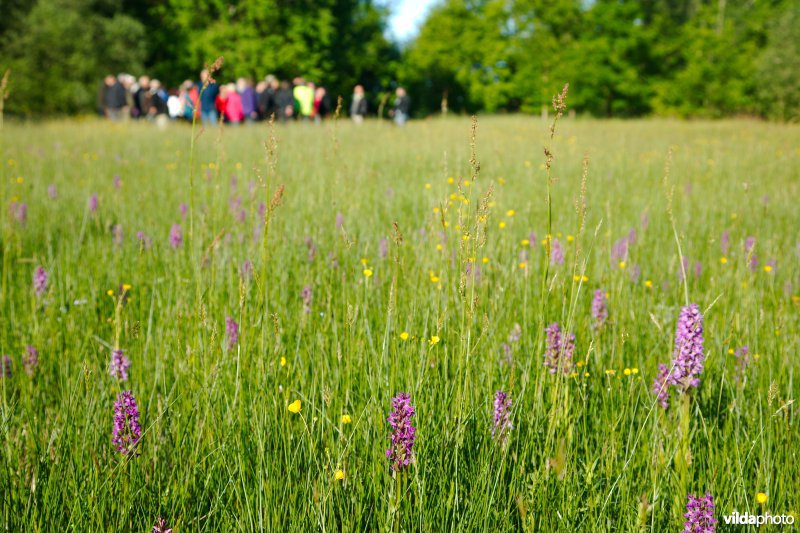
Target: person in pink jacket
column 234, row 111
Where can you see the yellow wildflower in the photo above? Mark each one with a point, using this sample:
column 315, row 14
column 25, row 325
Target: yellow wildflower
column 761, row 498
column 404, row 336
column 367, row 272
column 295, row 406
column 434, row 340
column 346, row 419
column 767, row 268
column 338, row 475
column 283, row 361
column 510, row 213
column 723, row 260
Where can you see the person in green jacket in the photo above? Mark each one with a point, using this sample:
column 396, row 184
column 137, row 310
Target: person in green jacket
column 304, row 96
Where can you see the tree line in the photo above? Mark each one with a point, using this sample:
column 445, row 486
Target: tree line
column 622, row 58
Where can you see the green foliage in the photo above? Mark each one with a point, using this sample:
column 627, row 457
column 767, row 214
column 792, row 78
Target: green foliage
column 778, row 68
column 702, row 58
column 336, row 42
column 61, row 49
column 621, row 58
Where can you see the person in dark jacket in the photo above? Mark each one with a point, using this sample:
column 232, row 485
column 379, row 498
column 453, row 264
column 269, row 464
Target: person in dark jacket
column 209, row 90
column 285, row 101
column 358, row 107
column 322, row 104
column 268, row 103
column 402, row 106
column 113, row 99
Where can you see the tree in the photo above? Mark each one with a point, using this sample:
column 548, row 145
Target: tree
column 62, row 48
column 778, row 68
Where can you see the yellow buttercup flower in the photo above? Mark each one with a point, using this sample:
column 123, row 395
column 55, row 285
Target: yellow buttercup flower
column 434, row 340
column 767, row 268
column 485, row 260
column 501, row 225
column 404, row 336
column 283, row 361
column 427, row 185
column 295, row 406
column 723, row 260
column 525, row 242
column 367, row 272
column 110, row 292
column 634, row 370
column 627, row 371
column 126, row 287
column 364, row 261
column 648, row 284
column 510, row 213
column 450, row 180
column 570, row 238
column 346, row 419
column 761, row 498
column 338, row 475
column 622, row 264
column 610, row 372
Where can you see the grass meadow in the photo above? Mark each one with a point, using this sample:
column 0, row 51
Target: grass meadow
column 360, row 262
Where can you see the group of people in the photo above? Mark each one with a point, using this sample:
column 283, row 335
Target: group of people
column 124, row 96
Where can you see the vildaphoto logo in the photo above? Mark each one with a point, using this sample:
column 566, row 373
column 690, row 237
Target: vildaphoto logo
column 745, row 519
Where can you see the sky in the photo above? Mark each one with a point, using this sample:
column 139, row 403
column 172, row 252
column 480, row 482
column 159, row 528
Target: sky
column 407, row 16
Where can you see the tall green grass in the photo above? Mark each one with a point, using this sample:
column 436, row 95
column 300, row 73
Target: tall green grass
column 220, row 451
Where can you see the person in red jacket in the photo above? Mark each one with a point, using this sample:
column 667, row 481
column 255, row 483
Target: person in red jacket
column 234, row 110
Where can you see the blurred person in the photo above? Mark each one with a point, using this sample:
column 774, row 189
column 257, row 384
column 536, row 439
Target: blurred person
column 175, row 105
column 284, row 100
column 322, row 104
column 358, row 107
column 268, row 101
column 247, row 95
column 157, row 111
column 113, row 99
column 190, row 97
column 402, row 106
column 304, row 96
column 208, row 93
column 232, row 107
column 142, row 97
column 127, row 81
column 261, row 89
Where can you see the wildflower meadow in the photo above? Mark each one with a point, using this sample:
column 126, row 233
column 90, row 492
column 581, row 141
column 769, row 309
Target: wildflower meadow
column 497, row 324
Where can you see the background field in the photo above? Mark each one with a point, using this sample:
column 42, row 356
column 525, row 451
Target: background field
column 221, row 451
